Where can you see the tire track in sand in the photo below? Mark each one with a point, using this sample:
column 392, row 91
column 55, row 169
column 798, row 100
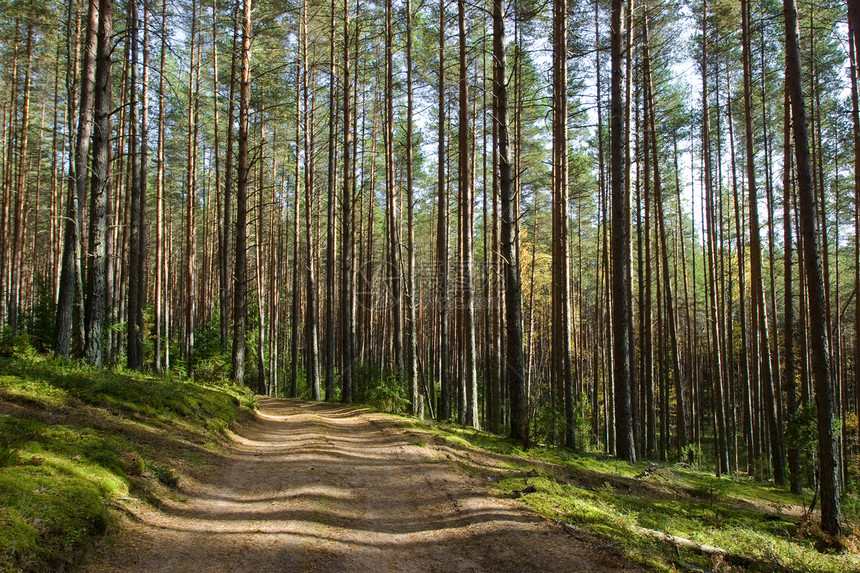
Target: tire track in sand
column 322, row 487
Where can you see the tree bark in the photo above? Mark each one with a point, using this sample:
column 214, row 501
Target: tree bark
column 347, row 310
column 411, row 352
column 824, row 391
column 789, row 374
column 391, row 197
column 444, row 408
column 243, row 170
column 330, row 220
column 466, row 228
column 161, row 327
column 96, row 267
column 20, row 192
column 514, row 363
column 312, row 366
column 190, row 270
column 668, row 296
column 624, row 443
column 134, row 324
column 768, row 381
column 70, row 272
column 562, row 366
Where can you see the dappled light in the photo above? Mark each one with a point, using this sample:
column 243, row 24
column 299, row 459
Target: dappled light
column 324, row 487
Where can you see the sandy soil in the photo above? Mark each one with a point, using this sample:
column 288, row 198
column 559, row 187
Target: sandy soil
column 319, row 487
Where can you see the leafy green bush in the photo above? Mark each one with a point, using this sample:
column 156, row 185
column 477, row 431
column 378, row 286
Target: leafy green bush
column 802, row 433
column 16, row 345
column 384, row 391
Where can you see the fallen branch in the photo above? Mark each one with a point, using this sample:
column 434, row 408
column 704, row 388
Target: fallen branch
column 700, row 548
column 127, row 510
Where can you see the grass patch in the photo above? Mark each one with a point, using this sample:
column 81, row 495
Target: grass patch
column 614, row 499
column 72, row 439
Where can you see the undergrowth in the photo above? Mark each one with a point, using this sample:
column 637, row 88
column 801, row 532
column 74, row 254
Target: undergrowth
column 76, row 440
column 764, row 525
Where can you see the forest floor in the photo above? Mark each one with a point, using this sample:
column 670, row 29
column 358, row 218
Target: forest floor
column 319, row 487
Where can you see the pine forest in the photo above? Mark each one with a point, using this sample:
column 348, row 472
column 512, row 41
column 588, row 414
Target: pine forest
column 626, row 228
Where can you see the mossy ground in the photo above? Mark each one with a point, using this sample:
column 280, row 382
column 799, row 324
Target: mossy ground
column 613, row 499
column 74, row 440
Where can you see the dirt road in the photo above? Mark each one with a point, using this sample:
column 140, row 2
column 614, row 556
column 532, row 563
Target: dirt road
column 318, row 487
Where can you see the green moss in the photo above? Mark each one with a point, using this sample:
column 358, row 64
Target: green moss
column 613, row 499
column 77, row 437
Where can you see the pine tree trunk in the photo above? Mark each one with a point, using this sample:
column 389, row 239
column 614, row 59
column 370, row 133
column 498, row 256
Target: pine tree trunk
column 768, row 381
column 668, row 297
column 260, row 254
column 223, row 195
column 20, row 192
column 624, row 442
column 514, row 363
column 824, row 391
column 716, row 327
column 789, row 375
column 243, row 171
column 134, row 325
column 96, row 267
column 295, row 285
column 444, row 408
column 8, row 176
column 161, row 313
column 562, row 366
column 470, row 378
column 854, row 36
column 191, row 199
column 312, row 346
column 70, row 271
column 347, row 310
column 391, row 199
column 411, row 352
column 330, row 221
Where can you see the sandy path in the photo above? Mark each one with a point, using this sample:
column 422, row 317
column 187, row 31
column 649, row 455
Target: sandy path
column 317, row 487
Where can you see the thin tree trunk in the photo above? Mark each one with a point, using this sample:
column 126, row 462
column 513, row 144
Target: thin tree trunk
column 330, row 220
column 259, row 253
column 20, row 192
column 347, row 310
column 223, row 220
column 789, row 375
column 444, row 408
column 134, row 325
column 562, row 366
column 668, row 297
column 411, row 351
column 768, row 381
column 240, row 275
column 466, row 200
column 854, row 36
column 295, row 285
column 717, row 366
column 191, row 199
column 312, row 366
column 391, row 200
column 161, row 312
